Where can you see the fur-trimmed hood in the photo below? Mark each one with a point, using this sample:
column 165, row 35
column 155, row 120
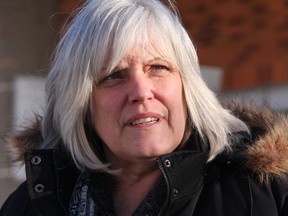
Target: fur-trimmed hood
column 267, row 156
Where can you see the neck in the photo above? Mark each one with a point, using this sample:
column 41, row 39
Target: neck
column 132, row 186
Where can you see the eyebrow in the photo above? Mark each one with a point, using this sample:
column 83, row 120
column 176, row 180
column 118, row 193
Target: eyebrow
column 151, row 60
column 159, row 58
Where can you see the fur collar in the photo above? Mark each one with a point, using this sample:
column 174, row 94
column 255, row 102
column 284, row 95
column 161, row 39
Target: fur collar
column 267, row 156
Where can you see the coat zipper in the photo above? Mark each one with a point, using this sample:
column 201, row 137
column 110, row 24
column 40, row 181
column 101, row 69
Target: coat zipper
column 161, row 213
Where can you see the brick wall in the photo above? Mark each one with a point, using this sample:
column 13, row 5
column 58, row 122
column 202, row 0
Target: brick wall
column 247, row 38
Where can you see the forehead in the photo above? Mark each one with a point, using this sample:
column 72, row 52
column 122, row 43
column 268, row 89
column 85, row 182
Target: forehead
column 140, row 52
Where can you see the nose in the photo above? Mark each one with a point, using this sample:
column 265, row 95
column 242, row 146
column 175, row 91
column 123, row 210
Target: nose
column 140, row 89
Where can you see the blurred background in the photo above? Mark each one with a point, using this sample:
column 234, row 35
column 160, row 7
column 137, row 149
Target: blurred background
column 242, row 47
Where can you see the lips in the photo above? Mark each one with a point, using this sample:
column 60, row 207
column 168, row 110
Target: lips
column 148, row 120
column 142, row 119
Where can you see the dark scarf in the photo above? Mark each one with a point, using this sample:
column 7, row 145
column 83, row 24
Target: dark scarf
column 92, row 196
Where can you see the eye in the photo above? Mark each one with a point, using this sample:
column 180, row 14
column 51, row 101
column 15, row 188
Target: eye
column 159, row 67
column 159, row 70
column 114, row 76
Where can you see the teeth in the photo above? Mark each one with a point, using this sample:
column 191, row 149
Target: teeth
column 149, row 120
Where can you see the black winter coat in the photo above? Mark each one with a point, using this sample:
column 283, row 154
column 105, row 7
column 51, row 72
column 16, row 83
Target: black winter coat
column 248, row 181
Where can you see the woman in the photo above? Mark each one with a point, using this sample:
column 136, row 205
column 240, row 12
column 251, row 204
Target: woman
column 130, row 128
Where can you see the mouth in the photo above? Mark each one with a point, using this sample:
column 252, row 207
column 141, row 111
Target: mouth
column 149, row 120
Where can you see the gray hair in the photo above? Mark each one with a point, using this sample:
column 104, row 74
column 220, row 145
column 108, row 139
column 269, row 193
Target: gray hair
column 118, row 25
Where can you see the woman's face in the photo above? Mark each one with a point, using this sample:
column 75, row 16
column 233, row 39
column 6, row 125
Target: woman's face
column 139, row 109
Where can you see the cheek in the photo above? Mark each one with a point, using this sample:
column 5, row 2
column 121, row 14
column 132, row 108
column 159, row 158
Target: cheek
column 178, row 107
column 100, row 108
column 103, row 102
column 175, row 96
column 106, row 106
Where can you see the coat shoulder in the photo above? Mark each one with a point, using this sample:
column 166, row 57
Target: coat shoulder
column 19, row 198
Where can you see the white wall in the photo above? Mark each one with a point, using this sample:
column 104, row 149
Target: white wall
column 212, row 76
column 274, row 96
column 28, row 99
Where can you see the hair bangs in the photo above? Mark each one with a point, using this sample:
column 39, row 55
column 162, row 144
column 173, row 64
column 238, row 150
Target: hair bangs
column 148, row 30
